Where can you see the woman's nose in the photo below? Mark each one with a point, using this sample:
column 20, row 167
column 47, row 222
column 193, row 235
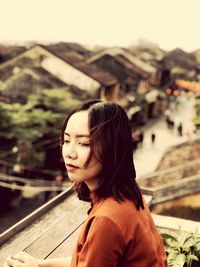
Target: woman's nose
column 70, row 151
column 72, row 155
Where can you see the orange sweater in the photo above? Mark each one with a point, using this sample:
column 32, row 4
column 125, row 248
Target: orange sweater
column 118, row 235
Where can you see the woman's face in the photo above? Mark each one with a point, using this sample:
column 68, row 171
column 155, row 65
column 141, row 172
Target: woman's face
column 76, row 150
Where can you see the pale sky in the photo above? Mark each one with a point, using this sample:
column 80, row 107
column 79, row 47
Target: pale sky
column 168, row 23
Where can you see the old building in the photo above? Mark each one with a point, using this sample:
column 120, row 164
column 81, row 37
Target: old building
column 69, row 67
column 137, row 79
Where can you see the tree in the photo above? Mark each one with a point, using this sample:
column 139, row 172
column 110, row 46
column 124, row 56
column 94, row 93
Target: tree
column 37, row 120
column 59, row 100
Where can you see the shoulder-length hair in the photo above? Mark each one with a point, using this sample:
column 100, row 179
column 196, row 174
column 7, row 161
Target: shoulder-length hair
column 111, row 144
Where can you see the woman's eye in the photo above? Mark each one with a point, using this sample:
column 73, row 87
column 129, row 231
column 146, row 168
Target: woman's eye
column 66, row 141
column 84, row 144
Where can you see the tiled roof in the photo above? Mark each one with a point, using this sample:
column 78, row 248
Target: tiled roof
column 130, row 66
column 178, row 57
column 48, row 76
column 9, row 52
column 79, row 63
column 115, row 51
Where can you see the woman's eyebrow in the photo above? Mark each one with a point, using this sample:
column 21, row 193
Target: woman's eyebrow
column 78, row 135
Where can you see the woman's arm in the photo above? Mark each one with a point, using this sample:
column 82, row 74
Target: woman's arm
column 23, row 259
column 56, row 262
column 104, row 245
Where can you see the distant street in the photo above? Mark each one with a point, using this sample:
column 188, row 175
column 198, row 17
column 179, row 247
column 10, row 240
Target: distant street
column 148, row 156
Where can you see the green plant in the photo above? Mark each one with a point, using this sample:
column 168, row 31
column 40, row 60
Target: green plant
column 183, row 249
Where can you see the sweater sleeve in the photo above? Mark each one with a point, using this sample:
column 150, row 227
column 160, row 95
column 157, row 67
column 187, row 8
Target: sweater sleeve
column 104, row 245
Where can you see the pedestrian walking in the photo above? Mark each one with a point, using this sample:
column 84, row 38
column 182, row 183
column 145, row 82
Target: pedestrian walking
column 153, row 137
column 180, row 129
column 170, row 123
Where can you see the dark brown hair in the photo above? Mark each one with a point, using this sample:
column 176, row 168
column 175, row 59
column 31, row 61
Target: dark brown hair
column 111, row 144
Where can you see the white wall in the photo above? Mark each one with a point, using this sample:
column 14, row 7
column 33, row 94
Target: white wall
column 69, row 74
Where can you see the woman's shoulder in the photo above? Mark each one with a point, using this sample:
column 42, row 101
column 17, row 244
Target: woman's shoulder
column 118, row 212
column 124, row 215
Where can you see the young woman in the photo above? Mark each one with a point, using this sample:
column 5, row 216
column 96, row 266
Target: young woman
column 119, row 231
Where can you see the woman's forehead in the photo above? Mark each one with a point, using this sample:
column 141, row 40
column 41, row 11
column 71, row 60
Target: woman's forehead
column 78, row 123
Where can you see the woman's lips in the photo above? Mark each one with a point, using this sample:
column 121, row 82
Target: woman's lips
column 71, row 168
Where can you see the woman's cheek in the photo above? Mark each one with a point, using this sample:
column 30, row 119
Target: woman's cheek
column 64, row 154
column 83, row 155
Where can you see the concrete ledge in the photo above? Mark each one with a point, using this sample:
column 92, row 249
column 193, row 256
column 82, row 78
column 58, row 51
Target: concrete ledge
column 174, row 223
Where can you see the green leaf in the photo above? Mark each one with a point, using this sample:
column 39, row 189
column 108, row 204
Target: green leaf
column 170, row 240
column 189, row 241
column 193, row 257
column 180, row 260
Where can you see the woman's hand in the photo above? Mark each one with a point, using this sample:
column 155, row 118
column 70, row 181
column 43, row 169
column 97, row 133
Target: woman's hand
column 21, row 259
